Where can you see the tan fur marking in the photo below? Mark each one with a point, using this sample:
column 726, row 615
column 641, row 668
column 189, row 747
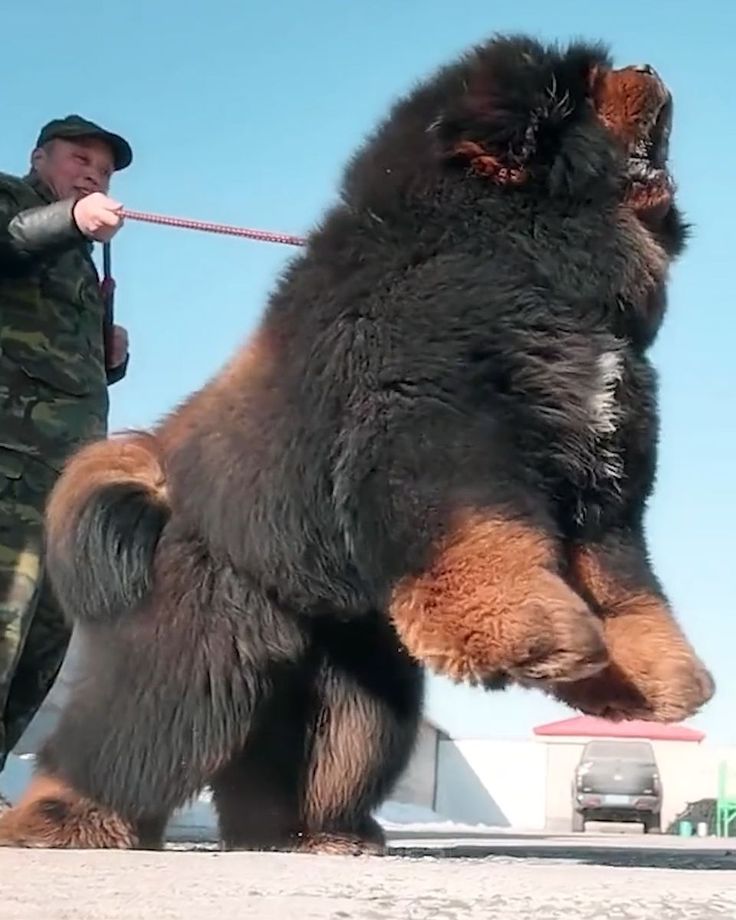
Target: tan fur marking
column 625, row 100
column 347, row 748
column 253, row 359
column 485, row 164
column 52, row 815
column 43, row 786
column 339, row 845
column 126, row 458
column 491, row 604
column 650, row 199
column 251, row 362
column 653, row 673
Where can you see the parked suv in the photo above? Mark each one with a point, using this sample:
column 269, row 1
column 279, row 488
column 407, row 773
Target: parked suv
column 617, row 781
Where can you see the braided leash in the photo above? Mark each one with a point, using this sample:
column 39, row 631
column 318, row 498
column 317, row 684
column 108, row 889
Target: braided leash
column 264, row 236
column 108, row 283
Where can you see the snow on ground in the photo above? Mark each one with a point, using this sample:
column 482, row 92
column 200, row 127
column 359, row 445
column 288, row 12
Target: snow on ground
column 406, row 817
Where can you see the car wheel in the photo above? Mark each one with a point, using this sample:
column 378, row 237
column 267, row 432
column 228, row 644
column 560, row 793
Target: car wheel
column 578, row 822
column 652, row 824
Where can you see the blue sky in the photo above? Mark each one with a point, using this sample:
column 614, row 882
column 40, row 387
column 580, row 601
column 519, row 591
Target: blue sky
column 246, row 112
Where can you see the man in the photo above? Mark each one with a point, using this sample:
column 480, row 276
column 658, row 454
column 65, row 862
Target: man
column 53, row 380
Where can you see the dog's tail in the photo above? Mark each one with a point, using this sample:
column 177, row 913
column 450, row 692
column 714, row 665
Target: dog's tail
column 104, row 519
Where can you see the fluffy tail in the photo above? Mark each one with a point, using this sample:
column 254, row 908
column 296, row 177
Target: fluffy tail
column 103, row 522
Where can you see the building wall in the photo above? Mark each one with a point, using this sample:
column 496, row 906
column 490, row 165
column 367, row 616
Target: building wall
column 688, row 771
column 417, row 785
column 528, row 784
column 496, row 783
column 562, row 758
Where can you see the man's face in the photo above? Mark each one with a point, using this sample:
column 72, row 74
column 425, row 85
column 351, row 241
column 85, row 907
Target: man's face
column 74, row 168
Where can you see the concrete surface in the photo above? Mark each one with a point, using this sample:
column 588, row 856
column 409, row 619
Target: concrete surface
column 526, row 879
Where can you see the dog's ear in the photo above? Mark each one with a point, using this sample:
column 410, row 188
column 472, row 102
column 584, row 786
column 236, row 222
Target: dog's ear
column 514, row 102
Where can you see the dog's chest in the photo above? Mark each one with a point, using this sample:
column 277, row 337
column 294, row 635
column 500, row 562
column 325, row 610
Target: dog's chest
column 588, row 426
column 606, row 416
column 590, row 443
column 614, row 446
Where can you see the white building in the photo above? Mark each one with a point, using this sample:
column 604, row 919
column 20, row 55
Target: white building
column 526, row 784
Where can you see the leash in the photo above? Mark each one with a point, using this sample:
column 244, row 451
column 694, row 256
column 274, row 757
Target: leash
column 107, row 285
column 107, row 288
column 264, row 236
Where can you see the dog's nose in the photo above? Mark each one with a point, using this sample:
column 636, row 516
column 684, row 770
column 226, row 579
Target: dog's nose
column 644, row 68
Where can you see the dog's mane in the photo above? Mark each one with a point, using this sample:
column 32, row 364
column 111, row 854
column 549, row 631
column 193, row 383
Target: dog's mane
column 522, row 104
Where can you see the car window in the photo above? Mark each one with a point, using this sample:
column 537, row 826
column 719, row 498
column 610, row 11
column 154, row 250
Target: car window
column 619, row 750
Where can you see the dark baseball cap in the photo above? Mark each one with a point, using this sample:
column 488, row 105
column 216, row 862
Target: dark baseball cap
column 75, row 126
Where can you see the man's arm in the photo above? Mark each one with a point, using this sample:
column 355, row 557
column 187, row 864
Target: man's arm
column 32, row 233
column 29, row 234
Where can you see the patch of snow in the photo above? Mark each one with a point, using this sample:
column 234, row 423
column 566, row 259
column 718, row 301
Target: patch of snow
column 407, row 817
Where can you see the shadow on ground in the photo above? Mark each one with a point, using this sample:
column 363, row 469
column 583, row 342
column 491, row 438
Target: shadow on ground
column 581, row 854
column 703, row 856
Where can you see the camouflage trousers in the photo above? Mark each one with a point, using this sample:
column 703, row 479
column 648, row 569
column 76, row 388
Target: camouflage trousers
column 34, row 635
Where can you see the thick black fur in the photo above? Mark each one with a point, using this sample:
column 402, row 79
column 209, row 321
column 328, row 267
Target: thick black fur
column 225, row 682
column 105, row 561
column 433, row 348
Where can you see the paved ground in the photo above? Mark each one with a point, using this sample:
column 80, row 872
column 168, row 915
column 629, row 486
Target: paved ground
column 499, row 879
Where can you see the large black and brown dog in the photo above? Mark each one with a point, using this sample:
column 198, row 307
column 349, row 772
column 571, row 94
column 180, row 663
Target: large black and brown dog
column 436, row 448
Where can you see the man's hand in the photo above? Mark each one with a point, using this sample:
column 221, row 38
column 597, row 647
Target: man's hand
column 98, row 217
column 119, row 349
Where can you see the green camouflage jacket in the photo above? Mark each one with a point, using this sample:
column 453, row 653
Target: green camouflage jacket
column 53, row 381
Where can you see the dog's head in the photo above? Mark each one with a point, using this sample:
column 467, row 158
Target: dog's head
column 563, row 123
column 528, row 115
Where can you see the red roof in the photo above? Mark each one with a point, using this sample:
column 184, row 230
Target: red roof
column 588, row 726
